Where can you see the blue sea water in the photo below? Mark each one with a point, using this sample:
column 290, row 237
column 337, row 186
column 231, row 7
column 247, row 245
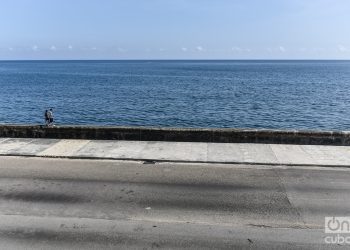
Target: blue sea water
column 235, row 94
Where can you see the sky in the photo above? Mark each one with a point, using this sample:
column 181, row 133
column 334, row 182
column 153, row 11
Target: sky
column 174, row 29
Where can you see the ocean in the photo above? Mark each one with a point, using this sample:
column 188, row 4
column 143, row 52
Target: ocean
column 221, row 94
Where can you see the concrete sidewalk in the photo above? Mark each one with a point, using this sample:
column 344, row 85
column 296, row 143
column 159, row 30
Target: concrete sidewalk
column 271, row 154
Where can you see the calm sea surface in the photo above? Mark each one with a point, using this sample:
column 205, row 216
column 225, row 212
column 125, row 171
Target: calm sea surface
column 243, row 94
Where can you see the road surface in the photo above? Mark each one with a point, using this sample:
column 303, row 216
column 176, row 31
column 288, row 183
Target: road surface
column 102, row 204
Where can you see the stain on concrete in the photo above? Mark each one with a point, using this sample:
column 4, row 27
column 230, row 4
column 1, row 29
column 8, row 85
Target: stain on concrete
column 47, row 197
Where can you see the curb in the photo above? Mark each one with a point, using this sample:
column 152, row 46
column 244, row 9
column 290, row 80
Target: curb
column 151, row 161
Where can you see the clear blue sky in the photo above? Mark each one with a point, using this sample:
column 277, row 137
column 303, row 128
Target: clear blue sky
column 174, row 29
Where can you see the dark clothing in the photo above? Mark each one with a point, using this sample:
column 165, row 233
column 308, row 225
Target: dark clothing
column 46, row 117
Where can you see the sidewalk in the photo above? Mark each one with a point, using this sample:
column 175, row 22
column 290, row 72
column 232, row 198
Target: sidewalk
column 271, row 154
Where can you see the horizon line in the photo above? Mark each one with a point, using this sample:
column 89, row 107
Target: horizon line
column 259, row 59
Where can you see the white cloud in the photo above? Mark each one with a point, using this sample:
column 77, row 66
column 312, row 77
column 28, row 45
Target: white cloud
column 282, row 49
column 240, row 50
column 279, row 49
column 10, row 49
column 342, row 48
column 236, row 49
column 184, row 49
column 35, row 48
column 199, row 48
column 53, row 48
column 70, row 47
column 161, row 50
column 89, row 48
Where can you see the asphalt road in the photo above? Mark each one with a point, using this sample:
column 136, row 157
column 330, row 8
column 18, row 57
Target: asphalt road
column 91, row 204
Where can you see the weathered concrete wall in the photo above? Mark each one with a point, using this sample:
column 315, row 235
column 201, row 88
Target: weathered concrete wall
column 178, row 134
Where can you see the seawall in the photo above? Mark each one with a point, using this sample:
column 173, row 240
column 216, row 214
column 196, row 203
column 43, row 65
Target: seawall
column 178, row 134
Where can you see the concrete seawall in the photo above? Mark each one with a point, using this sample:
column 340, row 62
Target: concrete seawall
column 178, row 134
